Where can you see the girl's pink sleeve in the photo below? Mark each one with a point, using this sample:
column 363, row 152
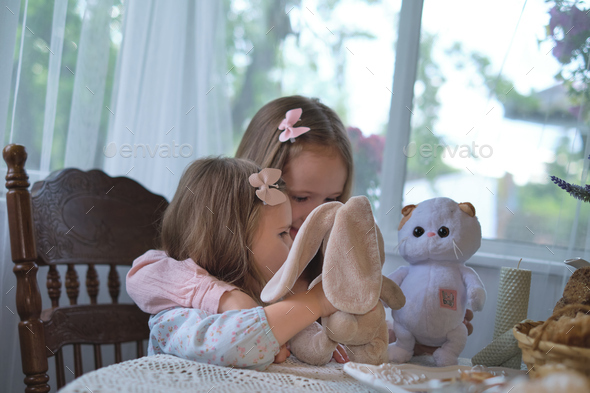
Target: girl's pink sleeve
column 157, row 282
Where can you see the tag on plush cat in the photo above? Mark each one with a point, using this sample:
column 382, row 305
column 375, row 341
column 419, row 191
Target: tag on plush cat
column 448, row 298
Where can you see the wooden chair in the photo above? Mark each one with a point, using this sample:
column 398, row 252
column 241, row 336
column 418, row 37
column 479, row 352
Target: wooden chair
column 74, row 218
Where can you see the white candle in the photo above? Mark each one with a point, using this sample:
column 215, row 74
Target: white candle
column 513, row 302
column 513, row 299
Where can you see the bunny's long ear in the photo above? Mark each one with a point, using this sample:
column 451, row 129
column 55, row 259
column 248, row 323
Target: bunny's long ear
column 351, row 274
column 316, row 227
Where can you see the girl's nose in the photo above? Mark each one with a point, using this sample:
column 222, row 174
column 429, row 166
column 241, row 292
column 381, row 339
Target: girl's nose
column 430, row 234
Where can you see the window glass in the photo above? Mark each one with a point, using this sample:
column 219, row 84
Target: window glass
column 493, row 121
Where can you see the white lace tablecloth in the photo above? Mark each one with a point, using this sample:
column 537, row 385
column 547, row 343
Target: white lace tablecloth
column 166, row 373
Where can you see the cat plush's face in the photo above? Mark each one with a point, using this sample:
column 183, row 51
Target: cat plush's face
column 439, row 229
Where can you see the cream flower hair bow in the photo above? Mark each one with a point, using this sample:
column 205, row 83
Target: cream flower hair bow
column 267, row 189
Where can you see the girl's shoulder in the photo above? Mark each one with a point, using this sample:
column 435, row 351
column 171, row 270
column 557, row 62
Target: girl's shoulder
column 151, row 256
column 159, row 259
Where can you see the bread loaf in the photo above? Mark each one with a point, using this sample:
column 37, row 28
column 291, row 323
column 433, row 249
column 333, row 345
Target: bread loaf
column 577, row 291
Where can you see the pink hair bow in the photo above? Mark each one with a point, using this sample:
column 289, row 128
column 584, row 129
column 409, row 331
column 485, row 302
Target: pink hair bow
column 267, row 190
column 291, row 117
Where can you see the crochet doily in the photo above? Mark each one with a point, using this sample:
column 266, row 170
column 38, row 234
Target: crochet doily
column 166, row 373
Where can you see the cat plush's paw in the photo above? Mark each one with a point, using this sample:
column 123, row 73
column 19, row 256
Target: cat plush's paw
column 444, row 357
column 397, row 354
column 477, row 298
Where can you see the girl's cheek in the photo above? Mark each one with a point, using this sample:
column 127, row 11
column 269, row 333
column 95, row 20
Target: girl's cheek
column 307, row 208
column 282, row 256
column 296, row 211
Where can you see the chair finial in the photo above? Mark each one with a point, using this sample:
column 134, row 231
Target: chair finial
column 15, row 157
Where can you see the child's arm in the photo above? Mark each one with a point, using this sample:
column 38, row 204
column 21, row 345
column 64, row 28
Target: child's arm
column 243, row 338
column 157, row 282
column 238, row 338
column 235, row 300
column 288, row 317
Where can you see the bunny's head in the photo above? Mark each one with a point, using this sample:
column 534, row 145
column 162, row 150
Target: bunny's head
column 353, row 256
column 439, row 229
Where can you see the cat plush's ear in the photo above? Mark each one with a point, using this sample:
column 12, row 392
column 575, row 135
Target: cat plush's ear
column 467, row 208
column 407, row 213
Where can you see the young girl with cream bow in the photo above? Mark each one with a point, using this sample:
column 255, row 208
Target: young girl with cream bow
column 234, row 220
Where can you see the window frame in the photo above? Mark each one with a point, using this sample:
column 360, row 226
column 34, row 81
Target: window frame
column 492, row 253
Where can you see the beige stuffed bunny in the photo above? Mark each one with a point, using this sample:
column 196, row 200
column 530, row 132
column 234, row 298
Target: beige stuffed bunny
column 352, row 281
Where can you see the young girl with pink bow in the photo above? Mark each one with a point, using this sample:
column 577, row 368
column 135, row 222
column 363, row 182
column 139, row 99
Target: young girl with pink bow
column 234, row 219
column 307, row 141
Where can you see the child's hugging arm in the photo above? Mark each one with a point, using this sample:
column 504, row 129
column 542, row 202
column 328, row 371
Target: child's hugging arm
column 157, row 282
column 241, row 338
column 235, row 300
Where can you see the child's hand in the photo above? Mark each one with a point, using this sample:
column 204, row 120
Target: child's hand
column 340, row 355
column 467, row 321
column 326, row 308
column 283, row 354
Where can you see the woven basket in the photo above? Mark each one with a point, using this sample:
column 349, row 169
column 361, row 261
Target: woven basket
column 547, row 353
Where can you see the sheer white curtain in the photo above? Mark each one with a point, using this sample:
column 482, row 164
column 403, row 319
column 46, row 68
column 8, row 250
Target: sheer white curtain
column 169, row 100
column 168, row 92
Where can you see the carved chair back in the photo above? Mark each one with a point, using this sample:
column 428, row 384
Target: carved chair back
column 75, row 218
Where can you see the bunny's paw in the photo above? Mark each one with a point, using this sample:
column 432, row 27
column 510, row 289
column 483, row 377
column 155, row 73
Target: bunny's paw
column 477, row 297
column 342, row 327
column 444, row 357
column 397, row 354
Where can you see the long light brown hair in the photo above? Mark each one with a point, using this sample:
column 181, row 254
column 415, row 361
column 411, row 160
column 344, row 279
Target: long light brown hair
column 213, row 219
column 261, row 144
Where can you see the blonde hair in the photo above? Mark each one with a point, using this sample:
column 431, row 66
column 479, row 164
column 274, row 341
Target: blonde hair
column 213, row 219
column 261, row 144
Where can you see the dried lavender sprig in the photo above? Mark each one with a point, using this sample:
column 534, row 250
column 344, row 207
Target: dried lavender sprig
column 578, row 192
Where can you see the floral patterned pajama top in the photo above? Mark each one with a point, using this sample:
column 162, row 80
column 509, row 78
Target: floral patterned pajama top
column 238, row 338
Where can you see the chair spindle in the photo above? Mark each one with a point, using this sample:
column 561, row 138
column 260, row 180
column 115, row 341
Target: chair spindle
column 139, row 349
column 97, row 356
column 92, row 283
column 78, row 370
column 59, row 369
column 53, row 285
column 114, row 284
column 118, row 357
column 72, row 284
